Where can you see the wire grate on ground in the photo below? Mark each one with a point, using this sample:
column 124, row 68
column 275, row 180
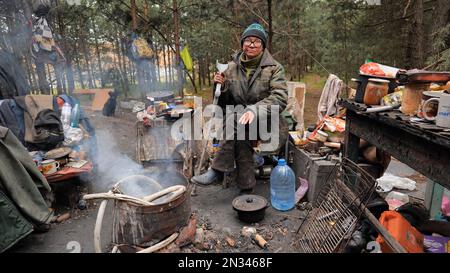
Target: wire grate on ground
column 335, row 214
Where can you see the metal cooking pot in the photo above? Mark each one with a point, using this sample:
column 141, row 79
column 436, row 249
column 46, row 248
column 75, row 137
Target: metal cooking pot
column 250, row 208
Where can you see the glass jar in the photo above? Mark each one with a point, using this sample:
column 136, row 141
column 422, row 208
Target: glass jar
column 376, row 89
column 412, row 98
column 189, row 101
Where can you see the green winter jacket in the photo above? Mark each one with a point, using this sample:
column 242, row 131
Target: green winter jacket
column 266, row 87
column 22, row 186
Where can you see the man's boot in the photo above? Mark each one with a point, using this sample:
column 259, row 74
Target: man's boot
column 207, row 178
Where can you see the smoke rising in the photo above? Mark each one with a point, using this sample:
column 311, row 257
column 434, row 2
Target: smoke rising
column 112, row 165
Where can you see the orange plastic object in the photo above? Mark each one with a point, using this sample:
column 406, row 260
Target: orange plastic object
column 409, row 237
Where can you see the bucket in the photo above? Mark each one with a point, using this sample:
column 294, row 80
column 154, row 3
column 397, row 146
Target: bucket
column 143, row 225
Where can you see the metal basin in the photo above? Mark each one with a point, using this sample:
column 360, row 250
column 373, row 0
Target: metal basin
column 144, row 225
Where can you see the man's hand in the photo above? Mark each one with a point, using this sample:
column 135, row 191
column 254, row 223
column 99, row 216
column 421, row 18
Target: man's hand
column 147, row 122
column 247, row 118
column 219, row 78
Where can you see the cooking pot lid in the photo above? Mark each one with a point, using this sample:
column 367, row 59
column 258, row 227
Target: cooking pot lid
column 160, row 95
column 58, row 153
column 249, row 203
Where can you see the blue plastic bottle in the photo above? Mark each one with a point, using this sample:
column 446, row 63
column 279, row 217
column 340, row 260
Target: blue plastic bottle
column 282, row 187
column 75, row 116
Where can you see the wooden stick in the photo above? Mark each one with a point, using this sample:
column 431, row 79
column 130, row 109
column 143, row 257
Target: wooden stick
column 115, row 249
column 177, row 190
column 160, row 245
column 121, row 197
column 98, row 226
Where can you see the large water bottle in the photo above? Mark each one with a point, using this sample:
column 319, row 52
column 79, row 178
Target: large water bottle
column 282, row 187
column 75, row 116
column 66, row 112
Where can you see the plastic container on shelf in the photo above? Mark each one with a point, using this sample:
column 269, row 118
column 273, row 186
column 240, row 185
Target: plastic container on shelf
column 282, row 187
column 376, row 89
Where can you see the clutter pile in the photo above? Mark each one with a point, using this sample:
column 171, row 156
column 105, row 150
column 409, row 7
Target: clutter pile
column 415, row 101
column 155, row 118
column 41, row 145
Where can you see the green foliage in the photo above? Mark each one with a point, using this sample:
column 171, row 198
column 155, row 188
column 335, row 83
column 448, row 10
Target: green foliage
column 320, row 36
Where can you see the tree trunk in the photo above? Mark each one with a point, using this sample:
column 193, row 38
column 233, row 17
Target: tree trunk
column 80, row 73
column 67, row 66
column 414, row 50
column 202, row 72
column 133, row 73
column 133, row 15
column 29, row 73
column 166, row 72
column 69, row 76
column 169, row 62
column 177, row 47
column 59, row 78
column 158, row 68
column 85, row 52
column 194, row 78
column 43, row 83
column 269, row 9
column 208, row 71
column 88, row 66
column 441, row 17
column 99, row 58
column 50, row 79
column 126, row 82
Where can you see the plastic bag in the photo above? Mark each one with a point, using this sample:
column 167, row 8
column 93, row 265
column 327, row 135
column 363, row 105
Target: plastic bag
column 73, row 136
column 138, row 107
column 446, row 205
column 392, row 99
column 141, row 49
column 301, row 191
column 388, row 182
column 376, row 69
column 396, row 200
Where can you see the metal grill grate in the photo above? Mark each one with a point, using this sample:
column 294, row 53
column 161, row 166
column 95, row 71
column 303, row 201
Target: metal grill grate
column 336, row 214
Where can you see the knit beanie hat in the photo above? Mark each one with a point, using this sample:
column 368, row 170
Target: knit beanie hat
column 255, row 30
